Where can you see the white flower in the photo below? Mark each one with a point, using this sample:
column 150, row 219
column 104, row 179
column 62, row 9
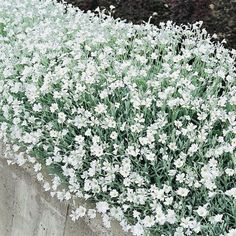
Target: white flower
column 117, row 213
column 231, row 192
column 103, row 94
column 202, row 211
column 138, row 230
column 154, row 56
column 96, row 150
column 77, row 213
column 100, row 108
column 136, row 214
column 216, row 219
column 193, row 148
column 179, row 232
column 113, row 135
column 172, row 172
column 40, row 177
column 80, row 211
column 46, row 186
column 112, row 7
column 131, row 150
column 230, row 172
column 79, row 139
column 173, row 146
column 171, row 216
column 183, row 192
column 37, row 107
column 88, row 132
column 196, row 226
column 179, row 163
column 37, row 167
column 102, row 207
column 91, row 213
column 61, row 117
column 67, row 195
column 53, row 107
column 148, row 221
column 232, row 232
column 114, row 193
column 106, row 221
column 73, row 215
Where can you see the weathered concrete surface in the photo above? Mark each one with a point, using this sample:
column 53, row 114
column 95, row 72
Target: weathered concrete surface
column 26, row 210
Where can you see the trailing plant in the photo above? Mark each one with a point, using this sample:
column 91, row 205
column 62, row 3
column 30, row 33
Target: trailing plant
column 138, row 119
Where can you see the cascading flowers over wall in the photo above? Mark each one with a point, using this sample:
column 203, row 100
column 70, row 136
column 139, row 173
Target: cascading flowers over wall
column 139, row 120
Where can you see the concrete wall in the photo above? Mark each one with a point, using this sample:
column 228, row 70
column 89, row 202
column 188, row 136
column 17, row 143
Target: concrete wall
column 26, row 210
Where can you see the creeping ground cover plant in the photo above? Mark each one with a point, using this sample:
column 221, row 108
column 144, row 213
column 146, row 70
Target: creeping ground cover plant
column 137, row 119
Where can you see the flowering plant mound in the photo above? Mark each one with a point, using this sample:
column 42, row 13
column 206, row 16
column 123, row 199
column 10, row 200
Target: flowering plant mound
column 139, row 120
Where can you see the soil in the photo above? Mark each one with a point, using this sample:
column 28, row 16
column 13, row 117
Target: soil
column 219, row 16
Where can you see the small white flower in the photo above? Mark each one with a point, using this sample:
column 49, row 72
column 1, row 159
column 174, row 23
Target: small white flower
column 231, row 192
column 106, row 221
column 193, row 148
column 132, row 151
column 100, row 108
column 112, row 7
column 232, row 232
column 79, row 139
column 46, row 186
column 73, row 215
column 37, row 167
column 103, row 94
column 80, row 211
column 172, row 146
column 138, row 230
column 37, row 107
column 154, row 56
column 202, row 211
column 230, row 172
column 148, row 221
column 216, row 219
column 53, row 107
column 67, row 195
column 96, row 150
column 179, row 163
column 114, row 193
column 113, row 135
column 91, row 213
column 171, row 216
column 102, row 207
column 61, row 117
column 183, row 192
column 136, row 214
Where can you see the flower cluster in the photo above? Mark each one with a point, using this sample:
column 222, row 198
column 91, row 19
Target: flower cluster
column 139, row 119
